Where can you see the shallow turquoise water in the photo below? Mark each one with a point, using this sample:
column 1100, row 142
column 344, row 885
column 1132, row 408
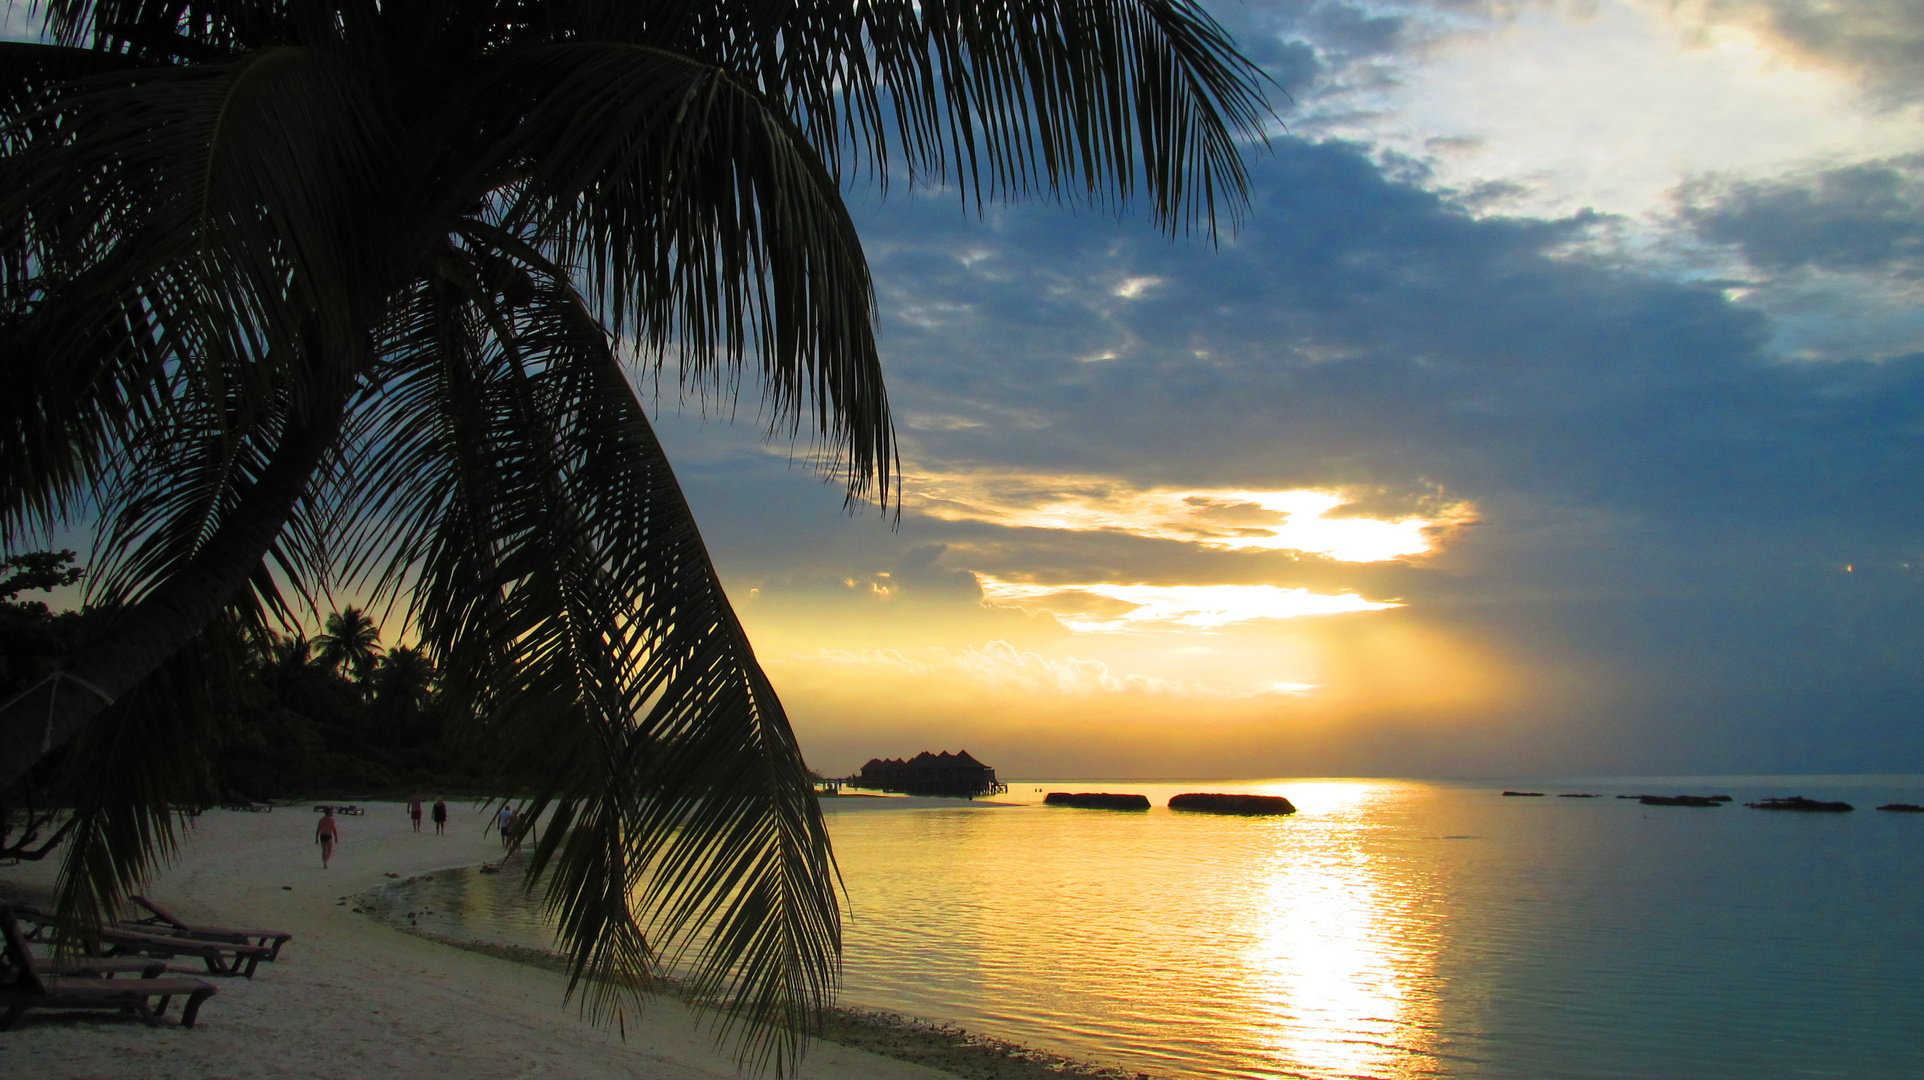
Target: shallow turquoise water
column 1389, row 929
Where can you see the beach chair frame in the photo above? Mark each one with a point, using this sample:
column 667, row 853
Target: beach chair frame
column 223, row 958
column 167, row 924
column 86, row 990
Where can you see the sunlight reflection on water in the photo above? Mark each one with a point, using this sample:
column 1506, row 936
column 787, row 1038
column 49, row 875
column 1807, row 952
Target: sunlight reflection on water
column 1341, row 948
column 1389, row 929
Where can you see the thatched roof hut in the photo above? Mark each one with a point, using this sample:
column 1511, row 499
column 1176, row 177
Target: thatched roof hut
column 956, row 774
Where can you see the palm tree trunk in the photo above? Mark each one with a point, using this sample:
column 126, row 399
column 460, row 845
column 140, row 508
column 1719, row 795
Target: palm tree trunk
column 48, row 714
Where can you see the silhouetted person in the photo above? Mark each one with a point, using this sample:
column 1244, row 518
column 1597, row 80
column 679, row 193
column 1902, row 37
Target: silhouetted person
column 326, row 834
column 440, row 817
column 414, row 812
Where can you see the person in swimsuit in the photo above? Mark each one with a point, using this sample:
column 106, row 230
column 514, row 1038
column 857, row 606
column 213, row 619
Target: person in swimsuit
column 326, row 834
column 440, row 817
column 414, row 812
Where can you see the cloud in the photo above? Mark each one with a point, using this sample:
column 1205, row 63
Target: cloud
column 1880, row 40
column 1665, row 497
column 1316, row 47
column 1863, row 217
column 1000, row 666
column 1549, row 107
column 1336, row 524
column 1364, row 333
column 1621, row 433
column 1104, row 607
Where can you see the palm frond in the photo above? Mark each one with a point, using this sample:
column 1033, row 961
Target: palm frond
column 33, row 75
column 208, row 279
column 131, row 775
column 1003, row 98
column 584, row 637
column 701, row 219
column 221, row 219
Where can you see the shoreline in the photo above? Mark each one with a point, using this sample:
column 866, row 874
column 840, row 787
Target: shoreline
column 349, row 996
column 945, row 1047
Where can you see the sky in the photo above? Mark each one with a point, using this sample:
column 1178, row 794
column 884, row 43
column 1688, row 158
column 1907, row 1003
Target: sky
column 1556, row 409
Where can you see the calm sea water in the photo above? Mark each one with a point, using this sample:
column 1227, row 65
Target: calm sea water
column 1389, row 929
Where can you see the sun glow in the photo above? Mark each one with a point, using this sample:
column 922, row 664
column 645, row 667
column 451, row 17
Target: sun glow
column 1329, row 523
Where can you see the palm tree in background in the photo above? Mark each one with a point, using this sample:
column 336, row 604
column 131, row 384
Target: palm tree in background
column 406, row 677
column 404, row 689
column 281, row 659
column 352, row 641
column 294, row 294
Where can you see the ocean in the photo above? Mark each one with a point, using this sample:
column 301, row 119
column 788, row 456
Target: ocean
column 1389, row 929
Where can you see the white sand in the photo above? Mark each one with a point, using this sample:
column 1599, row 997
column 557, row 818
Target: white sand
column 351, row 997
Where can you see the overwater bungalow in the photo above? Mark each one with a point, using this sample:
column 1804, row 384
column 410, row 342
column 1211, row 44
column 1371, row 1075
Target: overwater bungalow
column 956, row 775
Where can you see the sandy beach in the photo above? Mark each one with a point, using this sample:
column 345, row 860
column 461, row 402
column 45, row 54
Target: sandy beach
column 352, row 997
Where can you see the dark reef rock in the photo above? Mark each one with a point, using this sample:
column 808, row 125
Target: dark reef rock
column 1525, row 794
column 1798, row 802
column 1097, row 800
column 1903, row 807
column 1246, row 805
column 1682, row 800
column 1578, row 795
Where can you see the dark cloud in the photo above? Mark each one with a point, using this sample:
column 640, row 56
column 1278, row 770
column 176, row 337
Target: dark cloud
column 1865, row 217
column 921, row 572
column 1314, row 48
column 1366, row 331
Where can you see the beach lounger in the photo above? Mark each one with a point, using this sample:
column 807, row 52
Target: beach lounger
column 28, row 988
column 224, row 958
column 101, row 967
column 165, row 923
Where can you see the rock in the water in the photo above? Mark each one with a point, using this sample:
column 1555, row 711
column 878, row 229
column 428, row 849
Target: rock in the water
column 1680, row 800
column 1097, row 800
column 1525, row 794
column 1903, row 807
column 1798, row 802
column 1247, row 805
column 1578, row 795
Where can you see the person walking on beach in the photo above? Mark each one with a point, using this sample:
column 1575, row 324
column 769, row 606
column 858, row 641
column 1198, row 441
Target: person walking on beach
column 414, row 812
column 325, row 834
column 440, row 816
column 505, row 823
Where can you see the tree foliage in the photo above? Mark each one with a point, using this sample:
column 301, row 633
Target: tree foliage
column 352, row 641
column 295, row 294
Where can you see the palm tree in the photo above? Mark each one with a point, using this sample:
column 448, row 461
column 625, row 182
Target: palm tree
column 280, row 660
column 297, row 293
column 351, row 641
column 406, row 678
column 404, row 688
